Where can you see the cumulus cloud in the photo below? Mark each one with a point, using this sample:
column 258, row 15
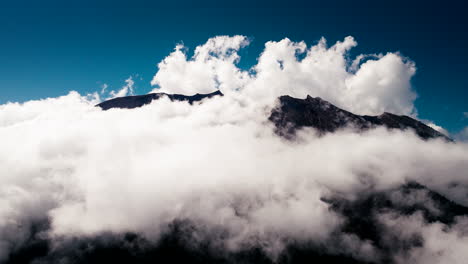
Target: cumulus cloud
column 372, row 86
column 212, row 67
column 219, row 165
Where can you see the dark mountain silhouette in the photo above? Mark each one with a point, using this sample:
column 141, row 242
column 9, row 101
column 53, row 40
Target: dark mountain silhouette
column 130, row 102
column 292, row 114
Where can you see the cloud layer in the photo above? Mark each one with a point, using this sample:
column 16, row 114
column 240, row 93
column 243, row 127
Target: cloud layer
column 220, row 166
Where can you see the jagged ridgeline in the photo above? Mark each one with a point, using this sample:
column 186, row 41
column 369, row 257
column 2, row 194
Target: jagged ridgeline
column 292, row 114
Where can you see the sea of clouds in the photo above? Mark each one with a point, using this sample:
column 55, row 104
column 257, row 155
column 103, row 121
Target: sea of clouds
column 219, row 164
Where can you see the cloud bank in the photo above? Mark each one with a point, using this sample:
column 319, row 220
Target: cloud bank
column 72, row 172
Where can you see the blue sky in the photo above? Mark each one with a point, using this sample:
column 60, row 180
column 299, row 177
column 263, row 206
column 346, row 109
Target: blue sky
column 52, row 47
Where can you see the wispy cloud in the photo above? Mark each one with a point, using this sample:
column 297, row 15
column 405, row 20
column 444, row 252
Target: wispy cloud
column 104, row 87
column 127, row 89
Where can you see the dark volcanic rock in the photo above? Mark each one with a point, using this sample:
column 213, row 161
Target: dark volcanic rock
column 293, row 114
column 130, row 102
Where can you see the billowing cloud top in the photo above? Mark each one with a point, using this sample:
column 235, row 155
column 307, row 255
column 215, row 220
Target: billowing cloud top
column 381, row 83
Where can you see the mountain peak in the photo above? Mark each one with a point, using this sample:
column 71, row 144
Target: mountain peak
column 130, row 102
column 293, row 113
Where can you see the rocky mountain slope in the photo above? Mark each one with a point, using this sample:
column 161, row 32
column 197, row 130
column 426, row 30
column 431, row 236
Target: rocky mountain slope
column 292, row 114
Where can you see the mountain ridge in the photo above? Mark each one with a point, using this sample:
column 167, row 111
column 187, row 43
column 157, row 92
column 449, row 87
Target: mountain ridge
column 291, row 114
column 135, row 101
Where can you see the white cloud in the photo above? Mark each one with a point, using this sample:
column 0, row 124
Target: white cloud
column 127, row 89
column 441, row 243
column 212, row 67
column 382, row 83
column 437, row 128
column 104, row 87
column 219, row 164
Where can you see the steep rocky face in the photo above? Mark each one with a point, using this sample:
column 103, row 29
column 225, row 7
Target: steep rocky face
column 292, row 114
column 130, row 102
